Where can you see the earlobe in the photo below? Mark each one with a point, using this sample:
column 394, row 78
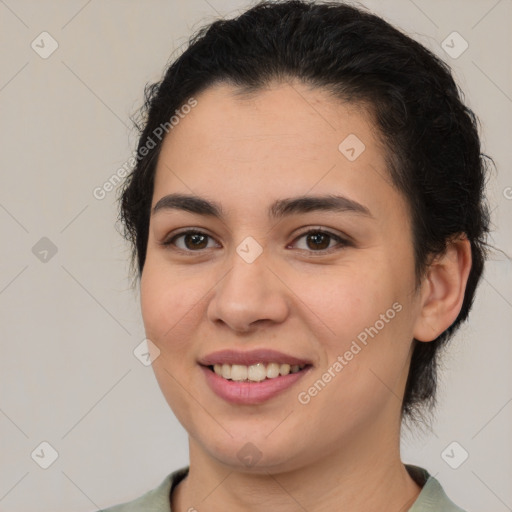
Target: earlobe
column 442, row 290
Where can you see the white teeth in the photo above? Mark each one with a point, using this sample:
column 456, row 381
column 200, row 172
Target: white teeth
column 284, row 369
column 238, row 372
column 272, row 371
column 226, row 371
column 256, row 372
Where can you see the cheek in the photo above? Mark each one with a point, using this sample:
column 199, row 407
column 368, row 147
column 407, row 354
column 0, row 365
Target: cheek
column 345, row 302
column 170, row 308
column 364, row 321
column 170, row 313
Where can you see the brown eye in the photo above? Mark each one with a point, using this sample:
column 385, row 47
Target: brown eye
column 191, row 241
column 195, row 241
column 319, row 241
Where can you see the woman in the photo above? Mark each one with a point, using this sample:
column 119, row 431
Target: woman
column 308, row 224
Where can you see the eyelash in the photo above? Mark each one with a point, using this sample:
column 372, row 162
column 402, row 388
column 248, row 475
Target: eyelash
column 341, row 242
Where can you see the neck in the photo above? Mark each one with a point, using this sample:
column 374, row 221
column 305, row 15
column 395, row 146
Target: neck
column 359, row 476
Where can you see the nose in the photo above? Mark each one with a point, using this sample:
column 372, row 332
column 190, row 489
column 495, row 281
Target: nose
column 250, row 295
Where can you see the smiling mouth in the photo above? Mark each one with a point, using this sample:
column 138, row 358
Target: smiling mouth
column 256, row 372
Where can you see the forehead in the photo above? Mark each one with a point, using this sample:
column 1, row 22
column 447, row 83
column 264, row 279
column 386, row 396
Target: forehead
column 287, row 139
column 286, row 115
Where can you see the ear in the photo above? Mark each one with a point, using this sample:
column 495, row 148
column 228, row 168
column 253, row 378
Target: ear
column 442, row 289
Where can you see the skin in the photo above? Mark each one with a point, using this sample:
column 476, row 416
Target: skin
column 244, row 152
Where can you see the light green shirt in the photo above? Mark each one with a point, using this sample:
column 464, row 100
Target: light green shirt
column 432, row 497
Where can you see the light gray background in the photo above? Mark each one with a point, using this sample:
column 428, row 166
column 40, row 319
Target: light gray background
column 69, row 325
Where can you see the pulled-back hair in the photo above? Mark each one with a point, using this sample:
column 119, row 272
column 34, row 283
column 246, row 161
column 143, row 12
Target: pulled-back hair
column 433, row 148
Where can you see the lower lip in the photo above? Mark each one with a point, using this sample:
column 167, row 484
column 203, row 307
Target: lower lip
column 249, row 393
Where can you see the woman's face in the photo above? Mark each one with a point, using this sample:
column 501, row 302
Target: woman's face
column 303, row 257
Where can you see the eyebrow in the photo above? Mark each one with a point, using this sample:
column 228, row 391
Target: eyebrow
column 278, row 209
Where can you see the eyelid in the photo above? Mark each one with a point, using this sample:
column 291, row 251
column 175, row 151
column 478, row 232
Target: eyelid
column 168, row 240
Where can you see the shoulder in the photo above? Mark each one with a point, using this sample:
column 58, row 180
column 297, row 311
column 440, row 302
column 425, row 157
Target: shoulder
column 432, row 497
column 155, row 500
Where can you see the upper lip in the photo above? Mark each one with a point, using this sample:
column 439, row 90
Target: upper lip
column 250, row 357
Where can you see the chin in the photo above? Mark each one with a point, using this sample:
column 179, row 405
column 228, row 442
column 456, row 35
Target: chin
column 255, row 455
